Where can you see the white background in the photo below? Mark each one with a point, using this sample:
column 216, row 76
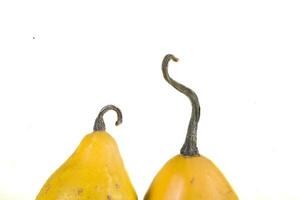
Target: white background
column 242, row 58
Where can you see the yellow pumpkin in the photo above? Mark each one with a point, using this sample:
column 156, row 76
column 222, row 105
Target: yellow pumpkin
column 94, row 171
column 189, row 175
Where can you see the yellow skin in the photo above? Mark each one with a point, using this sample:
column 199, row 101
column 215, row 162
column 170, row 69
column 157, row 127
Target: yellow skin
column 95, row 171
column 190, row 178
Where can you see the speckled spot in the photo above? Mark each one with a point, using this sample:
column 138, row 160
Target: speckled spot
column 47, row 188
column 192, row 180
column 109, row 197
column 79, row 191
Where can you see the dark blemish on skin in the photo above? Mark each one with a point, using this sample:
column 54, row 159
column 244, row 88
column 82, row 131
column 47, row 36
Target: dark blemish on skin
column 192, row 180
column 47, row 188
column 109, row 197
column 33, row 38
column 117, row 186
column 79, row 191
column 229, row 192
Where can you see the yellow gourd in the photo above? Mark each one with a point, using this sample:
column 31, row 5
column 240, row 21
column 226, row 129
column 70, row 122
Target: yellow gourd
column 189, row 175
column 95, row 171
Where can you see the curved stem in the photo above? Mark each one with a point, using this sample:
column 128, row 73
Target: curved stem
column 189, row 147
column 99, row 122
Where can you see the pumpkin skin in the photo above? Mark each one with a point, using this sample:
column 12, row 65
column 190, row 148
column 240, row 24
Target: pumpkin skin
column 190, row 178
